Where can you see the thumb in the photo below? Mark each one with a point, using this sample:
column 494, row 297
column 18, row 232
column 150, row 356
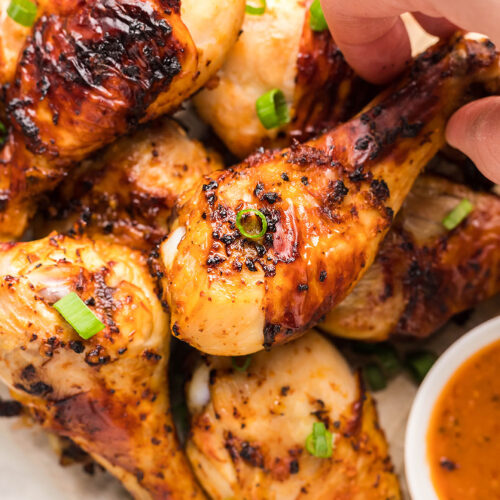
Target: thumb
column 475, row 130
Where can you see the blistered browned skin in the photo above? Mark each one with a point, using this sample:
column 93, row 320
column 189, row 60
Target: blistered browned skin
column 328, row 205
column 212, row 40
column 84, row 78
column 424, row 274
column 108, row 394
column 90, row 74
column 327, row 91
column 13, row 35
column 248, row 438
column 127, row 193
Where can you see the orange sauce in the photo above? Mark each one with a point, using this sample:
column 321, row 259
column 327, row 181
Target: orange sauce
column 463, row 439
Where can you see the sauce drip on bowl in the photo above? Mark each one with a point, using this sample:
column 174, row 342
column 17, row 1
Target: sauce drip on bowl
column 463, row 439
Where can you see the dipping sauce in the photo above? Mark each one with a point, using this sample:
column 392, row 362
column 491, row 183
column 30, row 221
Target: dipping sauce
column 463, row 439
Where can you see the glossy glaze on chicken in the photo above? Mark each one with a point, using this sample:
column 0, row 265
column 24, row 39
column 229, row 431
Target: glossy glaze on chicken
column 328, row 204
column 90, row 73
column 424, row 274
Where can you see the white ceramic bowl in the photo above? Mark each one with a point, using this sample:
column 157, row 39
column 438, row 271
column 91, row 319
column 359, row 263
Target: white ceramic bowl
column 416, row 464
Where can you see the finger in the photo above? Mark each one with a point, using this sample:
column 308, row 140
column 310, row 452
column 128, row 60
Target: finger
column 372, row 38
column 437, row 26
column 381, row 52
column 475, row 130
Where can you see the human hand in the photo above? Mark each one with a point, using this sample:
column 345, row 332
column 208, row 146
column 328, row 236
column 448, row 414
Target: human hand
column 375, row 42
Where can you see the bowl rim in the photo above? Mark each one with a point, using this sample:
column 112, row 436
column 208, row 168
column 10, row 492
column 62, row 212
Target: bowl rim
column 417, row 470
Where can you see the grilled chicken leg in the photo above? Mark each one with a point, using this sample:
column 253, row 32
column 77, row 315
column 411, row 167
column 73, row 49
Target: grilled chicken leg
column 127, row 193
column 248, row 430
column 93, row 72
column 108, row 394
column 424, row 274
column 327, row 204
column 278, row 49
column 212, row 40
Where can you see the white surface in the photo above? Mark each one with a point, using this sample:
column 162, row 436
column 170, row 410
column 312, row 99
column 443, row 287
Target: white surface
column 418, row 474
column 30, row 470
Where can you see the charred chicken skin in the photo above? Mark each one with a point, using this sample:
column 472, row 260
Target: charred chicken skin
column 278, row 49
column 108, row 394
column 249, row 430
column 424, row 274
column 328, row 204
column 212, row 40
column 127, row 193
column 91, row 72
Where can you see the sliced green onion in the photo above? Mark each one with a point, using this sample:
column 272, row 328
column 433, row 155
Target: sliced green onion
column 241, row 367
column 387, row 358
column 419, row 363
column 320, row 442
column 242, row 218
column 317, row 20
column 256, row 7
column 272, row 109
column 78, row 315
column 22, row 12
column 3, row 133
column 458, row 214
column 374, row 377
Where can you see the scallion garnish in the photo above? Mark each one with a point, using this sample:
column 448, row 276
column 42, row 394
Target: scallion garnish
column 419, row 363
column 78, row 315
column 387, row 357
column 320, row 442
column 241, row 367
column 22, row 12
column 458, row 214
column 272, row 109
column 3, row 133
column 317, row 21
column 374, row 377
column 255, row 7
column 248, row 227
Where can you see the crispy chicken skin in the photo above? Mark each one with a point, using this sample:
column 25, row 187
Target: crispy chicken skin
column 328, row 205
column 127, row 193
column 424, row 274
column 13, row 35
column 279, row 50
column 108, row 394
column 211, row 44
column 93, row 72
column 248, row 430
